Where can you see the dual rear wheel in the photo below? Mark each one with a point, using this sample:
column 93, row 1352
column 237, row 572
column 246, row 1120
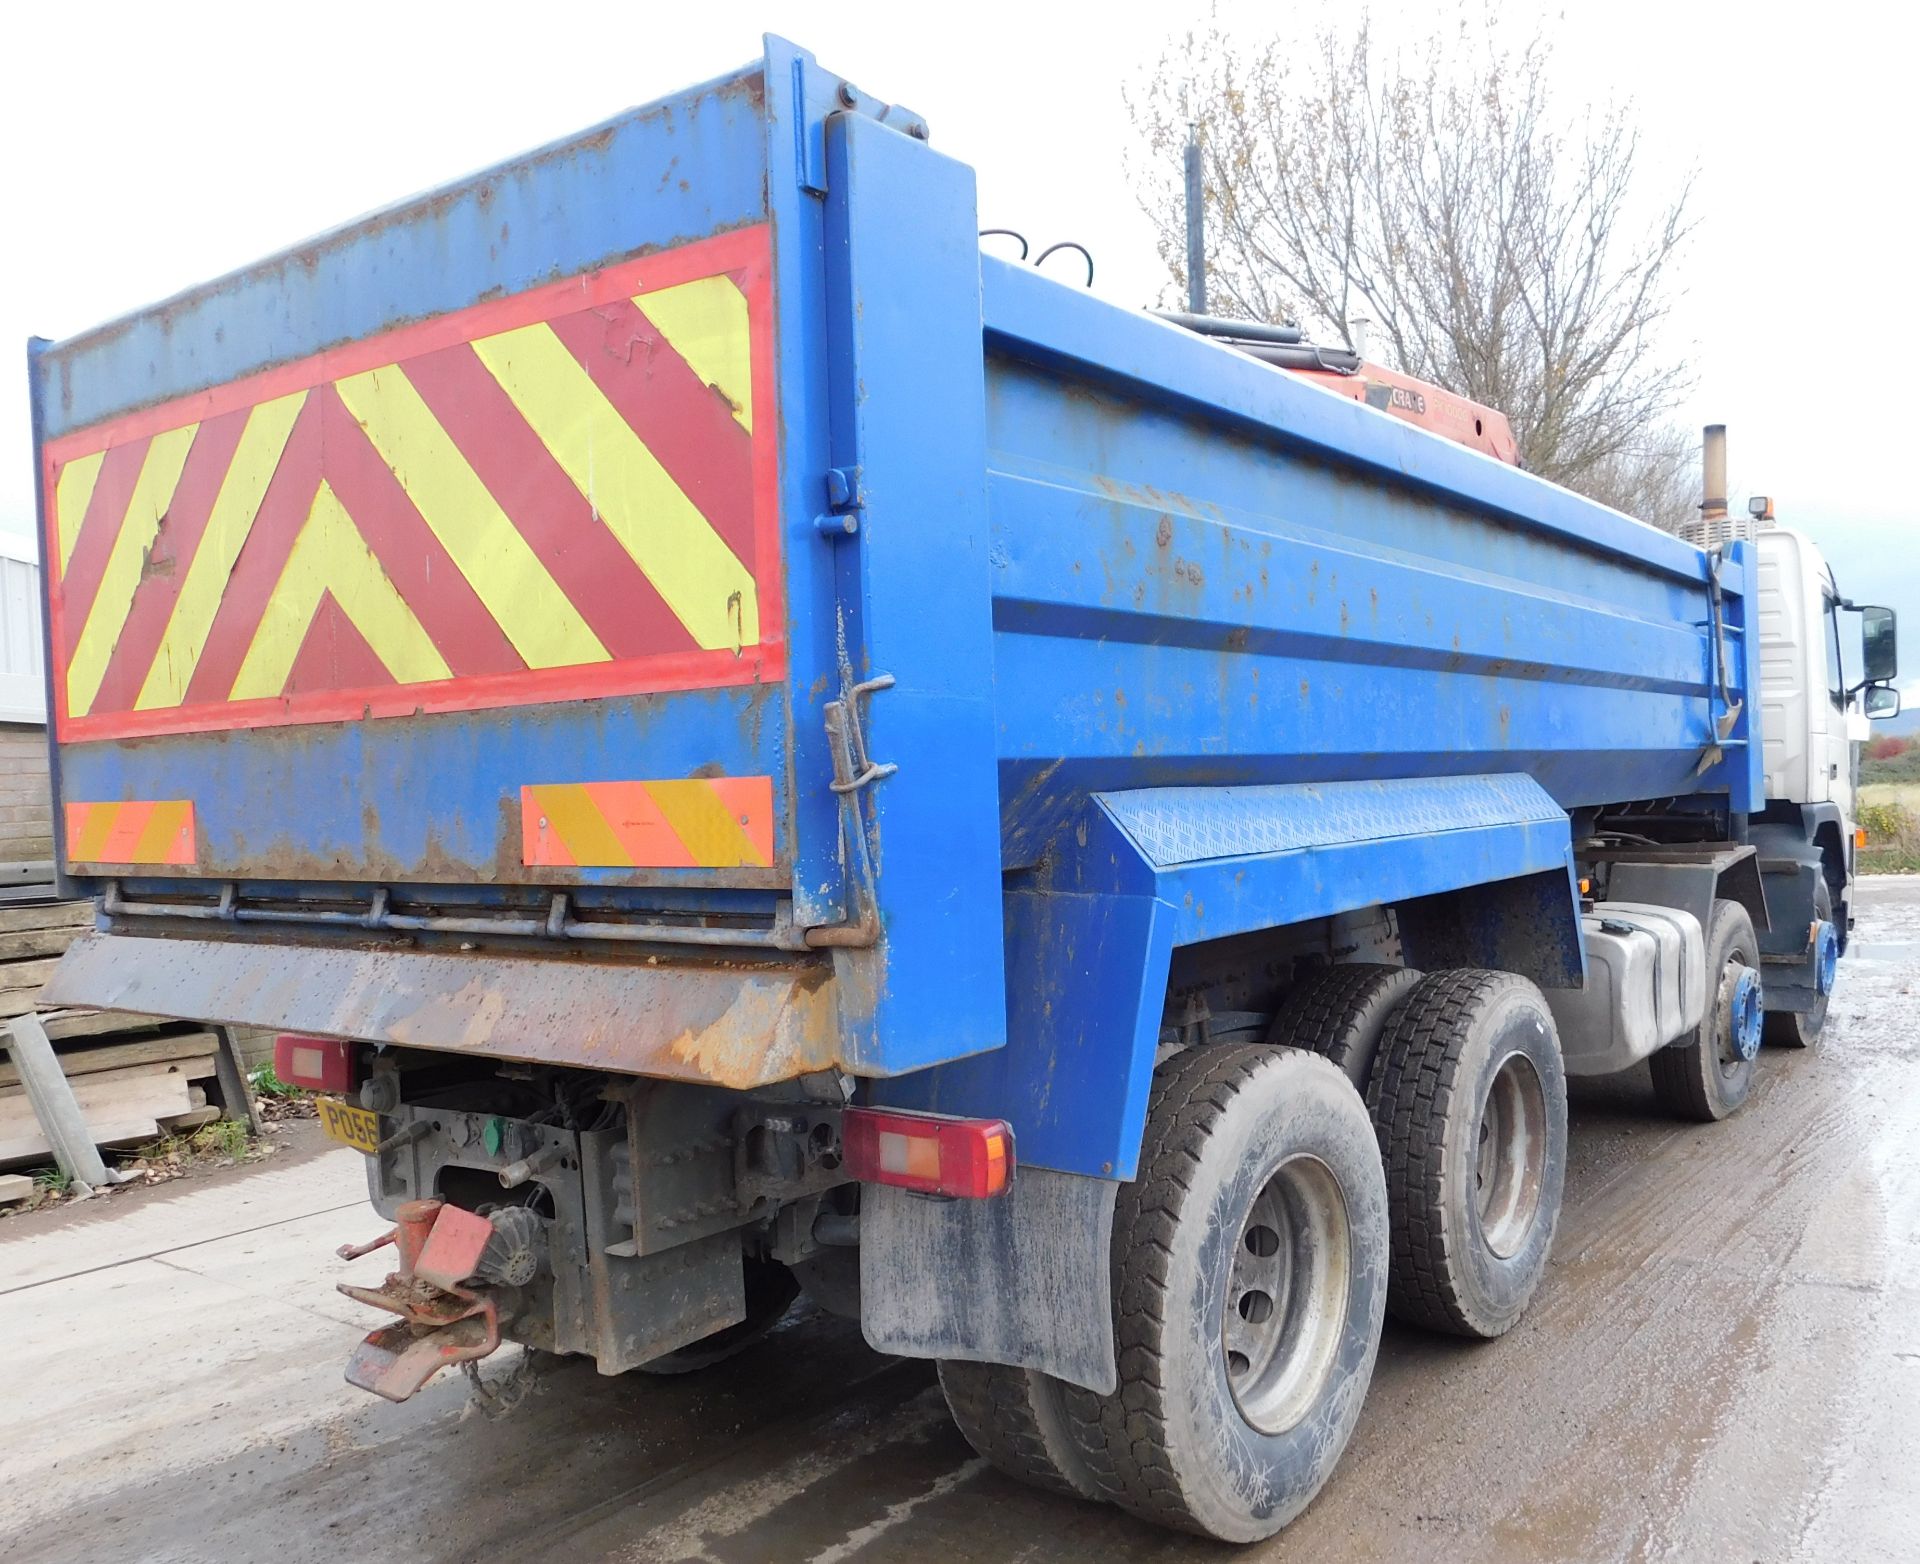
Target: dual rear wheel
column 1249, row 1281
column 1275, row 1218
column 1468, row 1097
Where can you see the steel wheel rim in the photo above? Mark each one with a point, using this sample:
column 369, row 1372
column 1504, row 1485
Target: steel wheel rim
column 1728, row 1020
column 1511, row 1156
column 1726, row 1048
column 1288, row 1290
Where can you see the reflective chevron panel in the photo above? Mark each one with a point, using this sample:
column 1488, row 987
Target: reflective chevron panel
column 553, row 496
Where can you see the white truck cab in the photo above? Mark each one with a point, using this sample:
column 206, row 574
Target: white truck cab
column 1817, row 692
column 1827, row 666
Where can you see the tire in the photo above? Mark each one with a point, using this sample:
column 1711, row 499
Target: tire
column 1790, row 1029
column 1703, row 1077
column 771, row 1289
column 1259, row 1180
column 1469, row 1099
column 1341, row 1013
column 1016, row 1419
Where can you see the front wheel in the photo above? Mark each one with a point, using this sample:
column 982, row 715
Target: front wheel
column 1249, row 1284
column 1802, row 1028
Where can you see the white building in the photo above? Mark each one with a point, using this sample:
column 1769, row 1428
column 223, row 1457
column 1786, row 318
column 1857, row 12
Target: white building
column 26, row 817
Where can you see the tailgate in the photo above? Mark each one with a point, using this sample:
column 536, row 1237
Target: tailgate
column 580, row 560
column 487, row 592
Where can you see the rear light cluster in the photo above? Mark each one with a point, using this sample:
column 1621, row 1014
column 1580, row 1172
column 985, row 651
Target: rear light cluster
column 971, row 1158
column 320, row 1064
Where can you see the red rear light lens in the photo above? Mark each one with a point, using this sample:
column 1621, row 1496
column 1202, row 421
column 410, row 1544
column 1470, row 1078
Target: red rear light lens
column 972, row 1158
column 321, row 1064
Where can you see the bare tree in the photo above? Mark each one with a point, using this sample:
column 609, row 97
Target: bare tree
column 1497, row 247
column 1655, row 477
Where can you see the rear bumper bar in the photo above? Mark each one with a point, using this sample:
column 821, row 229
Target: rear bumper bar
column 740, row 1024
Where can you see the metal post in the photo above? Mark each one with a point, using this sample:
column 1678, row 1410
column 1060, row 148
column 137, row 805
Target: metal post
column 1196, row 227
column 48, row 1089
column 230, row 1074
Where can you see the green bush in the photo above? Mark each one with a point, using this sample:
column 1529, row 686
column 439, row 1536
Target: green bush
column 267, row 1084
column 1893, row 840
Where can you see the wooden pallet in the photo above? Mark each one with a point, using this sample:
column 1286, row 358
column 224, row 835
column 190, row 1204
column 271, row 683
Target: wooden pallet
column 164, row 1091
column 94, row 1056
column 133, row 1077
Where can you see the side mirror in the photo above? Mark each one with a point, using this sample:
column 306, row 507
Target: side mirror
column 1881, row 701
column 1879, row 647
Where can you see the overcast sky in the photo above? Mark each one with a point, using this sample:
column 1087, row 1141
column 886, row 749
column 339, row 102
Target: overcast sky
column 144, row 148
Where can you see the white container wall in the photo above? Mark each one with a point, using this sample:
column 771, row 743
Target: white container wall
column 23, row 692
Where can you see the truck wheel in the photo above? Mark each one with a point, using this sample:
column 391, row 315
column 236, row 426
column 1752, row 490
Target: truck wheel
column 771, row 1289
column 1794, row 1029
column 1469, row 1098
column 1340, row 1013
column 1249, row 1280
column 1016, row 1419
column 1706, row 1075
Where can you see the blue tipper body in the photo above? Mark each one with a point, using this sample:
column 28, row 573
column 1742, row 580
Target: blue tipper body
column 1165, row 646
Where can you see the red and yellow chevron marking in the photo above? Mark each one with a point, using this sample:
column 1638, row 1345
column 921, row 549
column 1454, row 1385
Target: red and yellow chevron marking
column 131, row 832
column 554, row 496
column 696, row 823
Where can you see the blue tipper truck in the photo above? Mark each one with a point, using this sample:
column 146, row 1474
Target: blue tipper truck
column 747, row 747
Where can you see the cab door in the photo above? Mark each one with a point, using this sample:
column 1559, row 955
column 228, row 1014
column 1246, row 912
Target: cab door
column 1832, row 750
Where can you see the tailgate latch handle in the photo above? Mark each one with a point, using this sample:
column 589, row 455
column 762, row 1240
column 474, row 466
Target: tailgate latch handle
column 853, row 767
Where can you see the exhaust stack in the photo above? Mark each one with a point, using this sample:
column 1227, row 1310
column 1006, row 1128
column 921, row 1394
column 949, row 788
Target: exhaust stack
column 1712, row 527
column 1196, row 226
column 1713, row 462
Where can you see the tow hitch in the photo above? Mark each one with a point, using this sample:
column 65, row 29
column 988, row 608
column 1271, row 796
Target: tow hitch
column 442, row 1322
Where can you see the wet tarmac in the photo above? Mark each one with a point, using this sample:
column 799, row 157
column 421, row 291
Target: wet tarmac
column 1723, row 1363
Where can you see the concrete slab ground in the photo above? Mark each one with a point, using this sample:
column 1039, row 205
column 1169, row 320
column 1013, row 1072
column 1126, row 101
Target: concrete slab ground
column 1724, row 1363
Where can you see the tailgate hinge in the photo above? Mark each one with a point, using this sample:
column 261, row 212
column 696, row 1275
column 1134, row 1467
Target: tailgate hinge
column 846, row 503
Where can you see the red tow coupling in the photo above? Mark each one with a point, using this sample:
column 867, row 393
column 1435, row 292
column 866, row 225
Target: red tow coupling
column 441, row 1321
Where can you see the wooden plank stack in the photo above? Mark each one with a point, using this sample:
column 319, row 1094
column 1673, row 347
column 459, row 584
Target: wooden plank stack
column 134, row 1077
column 33, row 936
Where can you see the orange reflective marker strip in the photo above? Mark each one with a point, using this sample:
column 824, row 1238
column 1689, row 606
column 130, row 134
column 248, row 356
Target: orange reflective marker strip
column 87, row 827
column 682, row 823
column 136, row 831
column 749, row 800
column 123, row 838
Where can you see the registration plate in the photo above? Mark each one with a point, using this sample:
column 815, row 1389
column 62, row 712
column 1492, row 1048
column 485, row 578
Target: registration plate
column 349, row 1125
